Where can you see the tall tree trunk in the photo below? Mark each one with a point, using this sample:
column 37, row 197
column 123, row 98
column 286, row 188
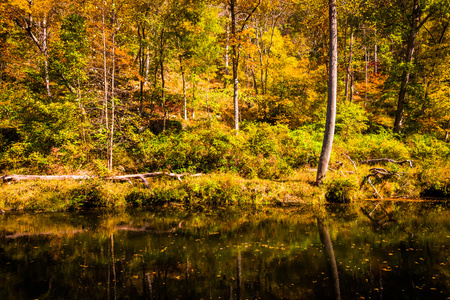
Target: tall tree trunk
column 235, row 61
column 113, row 106
column 375, row 59
column 193, row 98
column 45, row 51
column 349, row 66
column 255, row 85
column 366, row 72
column 183, row 78
column 105, row 79
column 447, row 131
column 410, row 47
column 143, row 66
column 163, row 81
column 207, row 104
column 227, row 60
column 332, row 91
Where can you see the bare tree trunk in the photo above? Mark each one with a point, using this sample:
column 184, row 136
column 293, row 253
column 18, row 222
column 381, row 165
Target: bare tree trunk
column 105, row 79
column 349, row 66
column 163, row 82
column 113, row 107
column 227, row 60
column 255, row 85
column 399, row 114
column 447, row 131
column 207, row 104
column 45, row 51
column 193, row 98
column 235, row 61
column 366, row 58
column 183, row 78
column 143, row 66
column 332, row 91
column 375, row 59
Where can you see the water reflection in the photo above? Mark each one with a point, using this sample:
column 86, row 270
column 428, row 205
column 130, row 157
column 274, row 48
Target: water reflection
column 372, row 251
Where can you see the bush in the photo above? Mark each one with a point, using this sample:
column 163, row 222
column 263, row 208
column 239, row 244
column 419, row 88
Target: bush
column 340, row 190
column 381, row 145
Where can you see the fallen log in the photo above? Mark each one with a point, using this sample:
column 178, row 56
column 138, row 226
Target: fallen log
column 14, row 178
column 386, row 160
column 142, row 177
column 147, row 175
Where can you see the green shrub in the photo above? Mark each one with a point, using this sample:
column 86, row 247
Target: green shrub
column 340, row 190
column 427, row 146
column 371, row 146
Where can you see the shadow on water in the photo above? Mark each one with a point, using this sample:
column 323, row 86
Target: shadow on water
column 385, row 250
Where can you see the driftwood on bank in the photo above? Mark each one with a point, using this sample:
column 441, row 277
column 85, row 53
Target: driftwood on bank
column 147, row 175
column 15, row 178
column 142, row 177
column 387, row 160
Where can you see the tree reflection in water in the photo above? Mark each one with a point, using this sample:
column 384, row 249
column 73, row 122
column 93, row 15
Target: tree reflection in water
column 229, row 253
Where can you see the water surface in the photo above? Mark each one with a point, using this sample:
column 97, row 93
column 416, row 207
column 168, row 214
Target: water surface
column 365, row 251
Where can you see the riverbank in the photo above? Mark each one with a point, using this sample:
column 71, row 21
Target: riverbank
column 264, row 164
column 344, row 184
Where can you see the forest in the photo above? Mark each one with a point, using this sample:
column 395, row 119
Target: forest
column 232, row 91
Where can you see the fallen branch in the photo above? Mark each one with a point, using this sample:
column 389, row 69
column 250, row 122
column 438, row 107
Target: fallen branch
column 353, row 163
column 14, row 178
column 367, row 178
column 155, row 174
column 381, row 173
column 142, row 177
column 386, row 160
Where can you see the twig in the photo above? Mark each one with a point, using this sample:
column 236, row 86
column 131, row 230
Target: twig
column 370, row 182
column 353, row 163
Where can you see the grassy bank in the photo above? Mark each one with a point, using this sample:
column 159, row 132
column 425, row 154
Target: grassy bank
column 221, row 189
column 264, row 164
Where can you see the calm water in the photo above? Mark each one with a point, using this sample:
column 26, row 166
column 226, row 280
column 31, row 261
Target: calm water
column 389, row 251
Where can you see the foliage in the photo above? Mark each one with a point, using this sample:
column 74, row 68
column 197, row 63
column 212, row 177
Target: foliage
column 340, row 190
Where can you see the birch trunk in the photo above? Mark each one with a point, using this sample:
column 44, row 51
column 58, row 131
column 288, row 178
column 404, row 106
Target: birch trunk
column 332, row 91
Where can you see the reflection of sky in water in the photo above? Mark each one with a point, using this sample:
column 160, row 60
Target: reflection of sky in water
column 396, row 251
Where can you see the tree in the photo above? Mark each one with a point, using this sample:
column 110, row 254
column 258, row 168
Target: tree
column 240, row 14
column 332, row 92
column 35, row 19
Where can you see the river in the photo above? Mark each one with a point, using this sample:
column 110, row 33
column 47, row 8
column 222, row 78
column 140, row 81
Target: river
column 369, row 250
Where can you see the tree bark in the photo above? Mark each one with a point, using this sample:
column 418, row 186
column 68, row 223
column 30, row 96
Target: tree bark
column 105, row 79
column 366, row 74
column 113, row 106
column 332, row 91
column 45, row 52
column 349, row 66
column 184, row 91
column 163, row 81
column 235, row 62
column 410, row 48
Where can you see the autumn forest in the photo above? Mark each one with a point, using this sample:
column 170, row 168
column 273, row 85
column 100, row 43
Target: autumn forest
column 233, row 89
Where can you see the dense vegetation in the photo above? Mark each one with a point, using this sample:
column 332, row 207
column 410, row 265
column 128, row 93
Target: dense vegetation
column 114, row 87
